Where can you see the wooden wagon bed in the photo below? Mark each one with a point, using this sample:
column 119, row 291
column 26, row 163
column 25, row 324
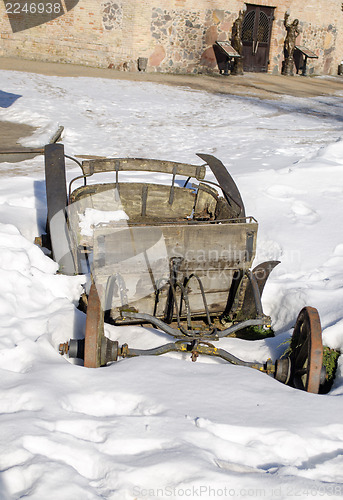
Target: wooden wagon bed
column 175, row 254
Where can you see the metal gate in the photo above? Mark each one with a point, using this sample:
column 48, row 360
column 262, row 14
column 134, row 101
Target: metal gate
column 256, row 31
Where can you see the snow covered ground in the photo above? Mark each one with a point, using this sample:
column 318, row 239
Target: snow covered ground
column 164, row 427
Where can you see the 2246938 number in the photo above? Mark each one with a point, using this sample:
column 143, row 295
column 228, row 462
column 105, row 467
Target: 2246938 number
column 34, row 8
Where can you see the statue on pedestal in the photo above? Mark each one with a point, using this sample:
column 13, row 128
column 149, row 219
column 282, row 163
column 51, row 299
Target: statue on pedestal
column 236, row 41
column 289, row 45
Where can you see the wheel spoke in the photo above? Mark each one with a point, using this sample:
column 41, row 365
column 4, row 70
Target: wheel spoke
column 302, row 354
column 300, row 372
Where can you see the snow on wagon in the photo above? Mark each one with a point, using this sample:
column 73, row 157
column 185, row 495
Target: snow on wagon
column 176, row 256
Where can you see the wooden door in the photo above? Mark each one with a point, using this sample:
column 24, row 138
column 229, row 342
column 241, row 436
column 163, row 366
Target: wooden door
column 256, row 31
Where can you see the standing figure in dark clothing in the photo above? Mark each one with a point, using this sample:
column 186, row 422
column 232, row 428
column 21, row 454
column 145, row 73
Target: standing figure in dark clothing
column 289, row 46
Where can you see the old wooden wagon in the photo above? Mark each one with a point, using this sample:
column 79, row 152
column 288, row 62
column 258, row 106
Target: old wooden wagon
column 175, row 254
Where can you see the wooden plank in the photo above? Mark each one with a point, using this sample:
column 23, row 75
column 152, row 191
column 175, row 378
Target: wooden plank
column 141, row 256
column 144, row 300
column 105, row 197
column 206, row 202
column 216, row 302
column 129, row 198
column 56, row 194
column 227, row 48
column 201, row 246
column 158, row 202
column 142, row 164
column 148, row 278
column 307, row 52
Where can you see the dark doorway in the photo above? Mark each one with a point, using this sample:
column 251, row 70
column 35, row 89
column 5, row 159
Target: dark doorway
column 256, row 31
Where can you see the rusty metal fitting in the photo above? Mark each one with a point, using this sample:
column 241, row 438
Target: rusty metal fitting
column 269, row 367
column 38, row 241
column 123, row 351
column 194, row 356
column 63, row 348
column 283, row 368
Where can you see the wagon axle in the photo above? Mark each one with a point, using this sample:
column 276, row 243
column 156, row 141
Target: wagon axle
column 110, row 351
column 305, row 373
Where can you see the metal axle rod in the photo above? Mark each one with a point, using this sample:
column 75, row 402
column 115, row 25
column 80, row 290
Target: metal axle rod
column 200, row 348
column 110, row 351
column 196, row 334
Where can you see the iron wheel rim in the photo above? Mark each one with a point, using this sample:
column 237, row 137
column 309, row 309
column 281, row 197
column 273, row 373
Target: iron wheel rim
column 94, row 330
column 307, row 351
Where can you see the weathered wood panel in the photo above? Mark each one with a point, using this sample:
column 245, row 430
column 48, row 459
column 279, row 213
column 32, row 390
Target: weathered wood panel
column 199, row 245
column 140, row 257
column 206, row 202
column 153, row 204
column 142, row 164
column 140, row 299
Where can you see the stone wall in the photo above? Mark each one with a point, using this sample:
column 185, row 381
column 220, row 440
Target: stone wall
column 184, row 38
column 172, row 35
column 319, row 31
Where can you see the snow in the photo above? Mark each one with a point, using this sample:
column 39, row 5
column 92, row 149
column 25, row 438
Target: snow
column 92, row 217
column 164, row 427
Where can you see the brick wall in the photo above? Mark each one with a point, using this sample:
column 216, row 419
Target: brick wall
column 173, row 35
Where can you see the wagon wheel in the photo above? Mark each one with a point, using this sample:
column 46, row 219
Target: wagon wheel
column 307, row 351
column 99, row 350
column 94, row 330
